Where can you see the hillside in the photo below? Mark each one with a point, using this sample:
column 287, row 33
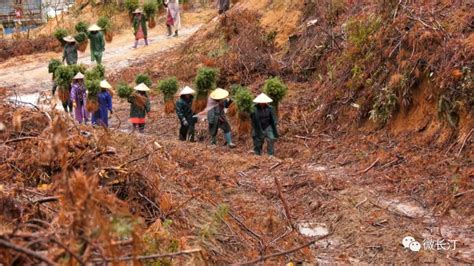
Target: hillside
column 376, row 145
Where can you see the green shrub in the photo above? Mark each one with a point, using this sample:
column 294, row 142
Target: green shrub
column 131, row 5
column 59, row 34
column 244, row 100
column 97, row 72
column 275, row 89
column 105, row 23
column 93, row 87
column 143, row 78
column 78, row 68
column 63, row 76
column 234, row 89
column 53, row 65
column 124, row 90
column 384, row 106
column 168, row 87
column 81, row 37
column 206, row 79
column 150, row 8
column 82, row 27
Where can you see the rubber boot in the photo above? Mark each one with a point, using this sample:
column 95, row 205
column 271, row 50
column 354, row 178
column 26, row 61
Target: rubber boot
column 168, row 27
column 146, row 41
column 175, row 33
column 228, row 139
column 213, row 140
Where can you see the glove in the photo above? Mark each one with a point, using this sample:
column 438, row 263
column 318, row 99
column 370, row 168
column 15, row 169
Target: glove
column 185, row 122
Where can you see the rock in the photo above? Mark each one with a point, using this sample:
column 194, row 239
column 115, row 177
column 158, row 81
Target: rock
column 2, row 127
column 410, row 208
column 313, row 229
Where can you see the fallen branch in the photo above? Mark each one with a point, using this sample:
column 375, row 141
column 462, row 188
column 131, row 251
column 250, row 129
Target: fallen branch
column 26, row 251
column 148, row 257
column 368, row 168
column 47, row 199
column 81, row 262
column 285, row 204
column 18, row 139
column 264, row 258
column 464, row 142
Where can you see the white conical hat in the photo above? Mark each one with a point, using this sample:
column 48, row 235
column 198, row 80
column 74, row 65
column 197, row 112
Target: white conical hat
column 262, row 98
column 94, row 28
column 104, row 84
column 138, row 10
column 79, row 75
column 69, row 39
column 141, row 87
column 219, row 94
column 187, row 90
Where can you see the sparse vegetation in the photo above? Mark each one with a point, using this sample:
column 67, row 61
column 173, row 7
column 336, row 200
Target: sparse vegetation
column 384, row 106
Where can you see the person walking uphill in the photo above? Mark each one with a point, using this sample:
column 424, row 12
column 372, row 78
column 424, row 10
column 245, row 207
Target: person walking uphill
column 101, row 116
column 185, row 114
column 217, row 118
column 96, row 38
column 78, row 98
column 139, row 107
column 70, row 51
column 139, row 27
column 173, row 18
column 264, row 124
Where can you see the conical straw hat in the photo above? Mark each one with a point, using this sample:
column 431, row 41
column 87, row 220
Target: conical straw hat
column 94, row 28
column 104, row 84
column 219, row 94
column 79, row 75
column 262, row 98
column 141, row 87
column 69, row 39
column 187, row 90
column 138, row 10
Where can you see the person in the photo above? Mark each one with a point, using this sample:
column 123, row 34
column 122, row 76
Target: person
column 70, row 51
column 185, row 114
column 139, row 27
column 78, row 98
column 96, row 38
column 173, row 18
column 217, row 119
column 137, row 111
column 223, row 5
column 264, row 124
column 101, row 116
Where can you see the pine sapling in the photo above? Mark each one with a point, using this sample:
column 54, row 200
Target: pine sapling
column 169, row 87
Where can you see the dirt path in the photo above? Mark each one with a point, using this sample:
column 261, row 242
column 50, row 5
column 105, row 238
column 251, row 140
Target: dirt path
column 29, row 74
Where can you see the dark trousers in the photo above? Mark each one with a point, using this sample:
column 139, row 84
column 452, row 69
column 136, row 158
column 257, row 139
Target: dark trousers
column 68, row 106
column 187, row 132
column 259, row 140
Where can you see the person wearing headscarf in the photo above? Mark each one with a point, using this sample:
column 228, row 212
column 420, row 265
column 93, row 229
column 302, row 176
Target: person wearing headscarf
column 216, row 116
column 96, row 38
column 185, row 114
column 264, row 124
column 139, row 107
column 173, row 17
column 139, row 27
column 70, row 51
column 101, row 116
column 78, row 98
column 223, row 5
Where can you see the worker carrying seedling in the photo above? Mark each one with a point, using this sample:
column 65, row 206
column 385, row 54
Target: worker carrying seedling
column 264, row 124
column 139, row 27
column 223, row 5
column 78, row 98
column 173, row 17
column 70, row 51
column 216, row 116
column 101, row 116
column 96, row 38
column 139, row 107
column 185, row 114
